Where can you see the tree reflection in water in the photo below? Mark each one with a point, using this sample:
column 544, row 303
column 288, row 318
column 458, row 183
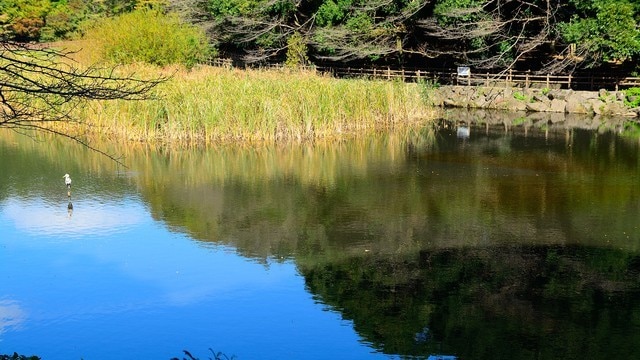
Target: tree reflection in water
column 511, row 302
column 509, row 243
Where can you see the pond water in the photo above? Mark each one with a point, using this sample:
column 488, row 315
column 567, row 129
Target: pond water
column 475, row 240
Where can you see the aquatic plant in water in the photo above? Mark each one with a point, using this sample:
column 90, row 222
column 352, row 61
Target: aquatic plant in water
column 216, row 356
column 17, row 356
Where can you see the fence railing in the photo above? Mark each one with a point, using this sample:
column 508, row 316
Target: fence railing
column 528, row 79
column 443, row 75
column 448, row 76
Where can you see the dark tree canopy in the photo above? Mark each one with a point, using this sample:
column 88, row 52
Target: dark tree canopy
column 554, row 35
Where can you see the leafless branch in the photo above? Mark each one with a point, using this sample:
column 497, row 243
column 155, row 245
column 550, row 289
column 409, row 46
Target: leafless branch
column 41, row 85
column 508, row 35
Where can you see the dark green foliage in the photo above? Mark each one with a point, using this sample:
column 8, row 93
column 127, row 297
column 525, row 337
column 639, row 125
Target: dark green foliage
column 476, row 300
column 223, row 8
column 48, row 20
column 216, row 356
column 458, row 12
column 17, row 356
column 480, row 33
column 333, row 12
column 603, row 30
column 494, row 34
column 632, row 97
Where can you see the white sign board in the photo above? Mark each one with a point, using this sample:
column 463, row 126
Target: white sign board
column 464, row 71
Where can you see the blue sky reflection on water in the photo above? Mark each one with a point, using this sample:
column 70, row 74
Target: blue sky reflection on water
column 133, row 289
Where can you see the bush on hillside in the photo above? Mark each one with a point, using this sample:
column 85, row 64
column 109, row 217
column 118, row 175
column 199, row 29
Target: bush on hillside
column 150, row 36
column 632, row 97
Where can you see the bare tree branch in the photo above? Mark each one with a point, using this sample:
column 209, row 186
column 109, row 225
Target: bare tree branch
column 508, row 30
column 40, row 86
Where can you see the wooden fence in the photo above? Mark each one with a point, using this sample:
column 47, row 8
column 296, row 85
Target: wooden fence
column 443, row 75
column 449, row 76
column 528, row 79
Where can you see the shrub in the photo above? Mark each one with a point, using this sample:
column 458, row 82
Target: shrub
column 632, row 97
column 151, row 36
column 296, row 51
column 519, row 96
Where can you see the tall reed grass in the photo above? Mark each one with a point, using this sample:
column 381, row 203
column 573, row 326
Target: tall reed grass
column 210, row 104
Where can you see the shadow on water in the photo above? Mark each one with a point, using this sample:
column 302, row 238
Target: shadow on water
column 509, row 302
column 484, row 237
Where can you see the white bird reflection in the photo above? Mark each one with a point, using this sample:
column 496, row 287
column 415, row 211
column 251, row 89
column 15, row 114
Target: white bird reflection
column 463, row 132
column 35, row 216
column 67, row 182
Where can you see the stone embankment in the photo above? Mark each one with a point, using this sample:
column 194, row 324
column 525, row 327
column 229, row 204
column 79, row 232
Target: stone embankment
column 598, row 103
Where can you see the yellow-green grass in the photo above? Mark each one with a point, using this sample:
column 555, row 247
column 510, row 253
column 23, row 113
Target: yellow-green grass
column 210, row 104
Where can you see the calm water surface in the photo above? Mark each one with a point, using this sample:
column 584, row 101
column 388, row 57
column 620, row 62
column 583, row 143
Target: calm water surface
column 514, row 242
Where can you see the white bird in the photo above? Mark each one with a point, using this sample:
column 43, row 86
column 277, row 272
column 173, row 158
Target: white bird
column 67, row 180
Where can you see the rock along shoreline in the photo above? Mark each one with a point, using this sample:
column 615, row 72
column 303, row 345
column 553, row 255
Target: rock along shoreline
column 559, row 101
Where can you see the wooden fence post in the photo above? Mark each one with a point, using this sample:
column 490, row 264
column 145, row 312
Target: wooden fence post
column 548, row 82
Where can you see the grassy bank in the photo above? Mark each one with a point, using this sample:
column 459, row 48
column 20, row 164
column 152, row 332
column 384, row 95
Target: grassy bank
column 211, row 104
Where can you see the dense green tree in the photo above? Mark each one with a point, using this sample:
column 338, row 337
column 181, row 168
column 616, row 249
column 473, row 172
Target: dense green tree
column 493, row 34
column 483, row 33
column 334, row 29
column 46, row 20
column 23, row 19
column 602, row 30
column 553, row 35
column 480, row 33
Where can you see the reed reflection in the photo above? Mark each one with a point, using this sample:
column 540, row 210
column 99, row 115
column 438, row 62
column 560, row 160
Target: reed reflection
column 405, row 233
column 390, row 192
